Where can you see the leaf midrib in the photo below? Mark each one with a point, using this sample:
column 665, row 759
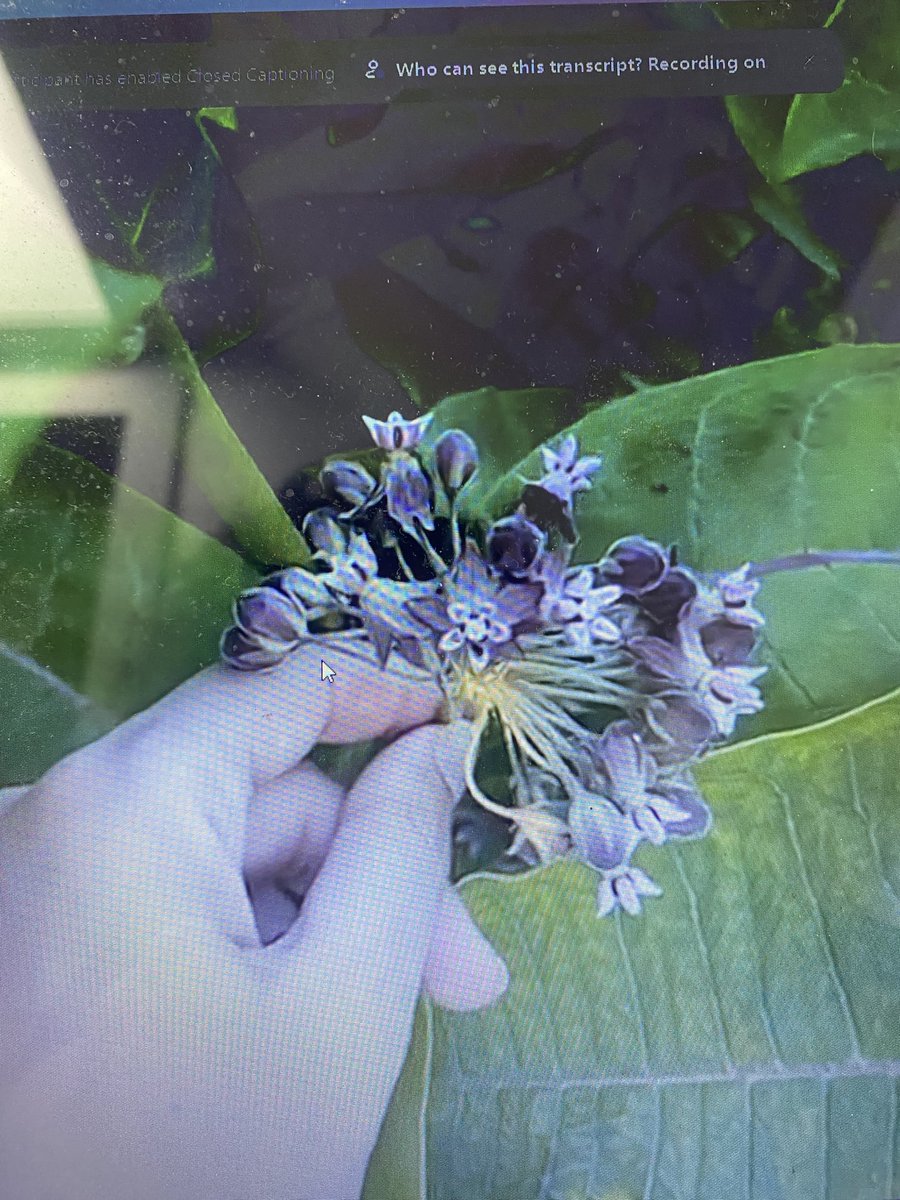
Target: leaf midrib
column 778, row 735
column 860, row 1068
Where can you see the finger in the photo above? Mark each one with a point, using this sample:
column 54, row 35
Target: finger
column 463, row 972
column 349, row 972
column 267, row 721
column 290, row 828
column 368, row 918
column 208, row 745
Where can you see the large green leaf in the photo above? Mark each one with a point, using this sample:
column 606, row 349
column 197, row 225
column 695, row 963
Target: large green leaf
column 41, row 719
column 110, row 593
column 224, row 470
column 740, row 1038
column 759, row 461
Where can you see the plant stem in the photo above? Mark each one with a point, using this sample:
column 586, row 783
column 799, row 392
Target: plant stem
column 454, row 527
column 824, row 558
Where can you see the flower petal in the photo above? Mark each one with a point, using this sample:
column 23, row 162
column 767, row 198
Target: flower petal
column 430, row 611
column 603, row 836
column 606, row 898
column 643, row 884
column 627, row 894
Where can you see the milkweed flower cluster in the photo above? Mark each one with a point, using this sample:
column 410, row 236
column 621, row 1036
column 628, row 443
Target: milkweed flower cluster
column 605, row 681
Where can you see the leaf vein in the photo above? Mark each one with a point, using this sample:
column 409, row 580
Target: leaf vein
column 695, row 500
column 862, row 811
column 635, row 994
column 727, row 1054
column 851, row 1069
column 833, row 971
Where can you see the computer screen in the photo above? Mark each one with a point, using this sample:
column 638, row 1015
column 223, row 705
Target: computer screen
column 449, row 607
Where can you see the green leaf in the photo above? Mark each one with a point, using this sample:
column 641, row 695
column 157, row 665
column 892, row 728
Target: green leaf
column 779, row 207
column 398, row 1160
column 173, row 237
column 790, row 137
column 752, row 463
column 62, row 346
column 116, row 597
column 505, row 424
column 740, row 1038
column 217, row 460
column 41, row 719
column 225, row 117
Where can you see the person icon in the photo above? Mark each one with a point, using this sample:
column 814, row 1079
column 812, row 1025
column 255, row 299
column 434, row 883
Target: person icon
column 374, row 70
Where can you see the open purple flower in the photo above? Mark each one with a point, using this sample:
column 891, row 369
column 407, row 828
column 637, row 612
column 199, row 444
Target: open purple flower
column 573, row 598
column 624, row 888
column 585, row 609
column 565, row 473
column 352, row 569
column 395, row 433
column 725, row 692
column 628, row 776
column 388, row 621
column 736, row 591
column 475, row 614
column 601, row 833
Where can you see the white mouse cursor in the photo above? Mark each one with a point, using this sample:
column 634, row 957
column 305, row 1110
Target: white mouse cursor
column 328, row 673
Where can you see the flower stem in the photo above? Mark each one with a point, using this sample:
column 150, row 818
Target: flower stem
column 824, row 558
column 491, row 806
column 454, row 529
column 404, row 565
column 437, row 563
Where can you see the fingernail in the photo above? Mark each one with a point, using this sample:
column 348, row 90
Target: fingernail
column 451, row 743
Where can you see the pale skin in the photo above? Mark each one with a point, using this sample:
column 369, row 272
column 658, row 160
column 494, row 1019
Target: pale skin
column 151, row 1045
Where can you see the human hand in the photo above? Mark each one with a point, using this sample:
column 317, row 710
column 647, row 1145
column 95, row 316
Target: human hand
column 150, row 1045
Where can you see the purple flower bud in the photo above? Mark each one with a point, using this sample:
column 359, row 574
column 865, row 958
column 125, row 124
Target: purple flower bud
column 665, row 603
column 408, row 492
column 325, row 533
column 268, row 625
column 514, row 544
column 456, row 458
column 267, row 613
column 347, row 481
column 636, row 564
